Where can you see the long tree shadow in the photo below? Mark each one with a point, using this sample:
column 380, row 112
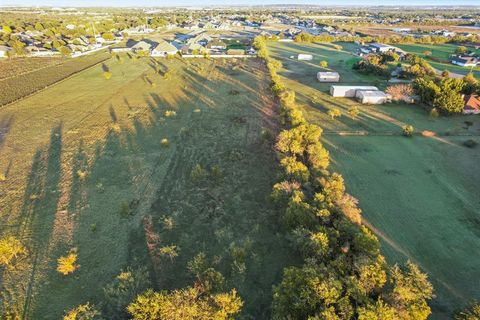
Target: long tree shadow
column 39, row 208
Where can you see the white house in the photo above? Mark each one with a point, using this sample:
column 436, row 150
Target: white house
column 371, row 96
column 4, row 51
column 465, row 61
column 163, row 49
column 307, row 57
column 328, row 76
column 348, row 91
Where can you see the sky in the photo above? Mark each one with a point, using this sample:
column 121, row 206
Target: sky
column 159, row 3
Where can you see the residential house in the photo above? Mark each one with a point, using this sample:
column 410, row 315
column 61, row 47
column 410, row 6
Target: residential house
column 464, row 61
column 4, row 51
column 472, row 104
column 142, row 46
column 163, row 49
column 217, row 45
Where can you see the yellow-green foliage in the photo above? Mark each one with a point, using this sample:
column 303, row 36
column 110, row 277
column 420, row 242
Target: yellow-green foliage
column 67, row 264
column 10, row 249
column 170, row 113
column 82, row 312
column 165, row 142
column 185, row 304
column 107, row 75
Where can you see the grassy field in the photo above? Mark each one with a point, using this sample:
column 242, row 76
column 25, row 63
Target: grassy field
column 420, row 195
column 441, row 53
column 86, row 168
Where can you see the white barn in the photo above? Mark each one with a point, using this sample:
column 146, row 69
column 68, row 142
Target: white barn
column 371, row 96
column 307, row 57
column 328, row 76
column 349, row 91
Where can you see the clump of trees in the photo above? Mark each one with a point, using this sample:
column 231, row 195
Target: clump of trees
column 472, row 312
column 445, row 94
column 343, row 275
column 401, row 92
column 187, row 304
column 418, row 67
column 375, row 64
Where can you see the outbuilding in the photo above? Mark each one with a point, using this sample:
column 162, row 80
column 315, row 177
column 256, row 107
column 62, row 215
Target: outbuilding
column 371, row 96
column 328, row 76
column 306, row 57
column 349, row 91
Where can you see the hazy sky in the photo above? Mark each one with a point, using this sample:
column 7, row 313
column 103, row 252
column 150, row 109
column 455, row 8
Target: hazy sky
column 120, row 3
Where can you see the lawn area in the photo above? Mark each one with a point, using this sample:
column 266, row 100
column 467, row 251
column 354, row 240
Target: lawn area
column 86, row 168
column 441, row 52
column 419, row 194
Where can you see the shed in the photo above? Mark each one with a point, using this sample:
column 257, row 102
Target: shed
column 371, row 96
column 306, row 57
column 348, row 91
column 328, row 76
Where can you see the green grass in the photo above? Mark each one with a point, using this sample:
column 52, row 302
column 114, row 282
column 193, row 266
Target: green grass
column 88, row 152
column 420, row 194
column 440, row 52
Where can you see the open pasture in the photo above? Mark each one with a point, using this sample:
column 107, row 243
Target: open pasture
column 164, row 154
column 419, row 194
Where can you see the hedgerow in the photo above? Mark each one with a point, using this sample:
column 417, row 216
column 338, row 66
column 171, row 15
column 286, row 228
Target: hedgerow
column 343, row 275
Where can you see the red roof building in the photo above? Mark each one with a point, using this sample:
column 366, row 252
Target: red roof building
column 472, row 105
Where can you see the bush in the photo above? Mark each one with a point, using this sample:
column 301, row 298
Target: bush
column 324, row 64
column 170, row 113
column 67, row 264
column 164, row 142
column 470, row 143
column 408, row 130
column 83, row 312
column 10, row 249
column 198, row 174
column 107, row 75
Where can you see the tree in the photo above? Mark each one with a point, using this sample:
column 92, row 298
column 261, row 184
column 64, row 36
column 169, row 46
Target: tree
column 185, row 304
column 107, row 75
column 122, row 290
column 449, row 102
column 83, row 312
column 445, row 74
column 461, row 50
column 408, row 130
column 334, row 113
column 354, row 112
column 65, row 51
column 324, row 64
column 472, row 312
column 67, row 264
column 427, row 53
column 377, row 311
column 10, row 249
column 411, row 290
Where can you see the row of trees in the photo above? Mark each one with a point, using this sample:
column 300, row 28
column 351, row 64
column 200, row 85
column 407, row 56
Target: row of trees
column 343, row 275
column 433, row 39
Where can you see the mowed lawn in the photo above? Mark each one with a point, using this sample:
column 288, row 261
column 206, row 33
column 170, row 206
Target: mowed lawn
column 419, row 194
column 86, row 168
column 440, row 52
